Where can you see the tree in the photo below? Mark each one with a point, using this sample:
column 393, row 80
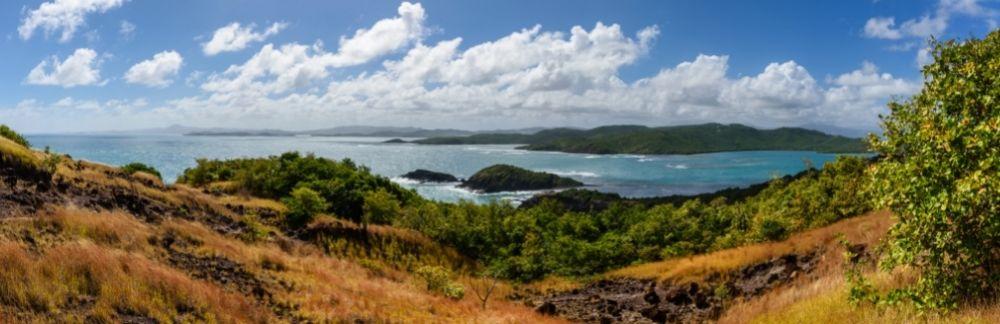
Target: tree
column 940, row 176
column 303, row 205
column 380, row 207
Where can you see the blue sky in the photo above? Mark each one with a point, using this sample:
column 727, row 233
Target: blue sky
column 79, row 65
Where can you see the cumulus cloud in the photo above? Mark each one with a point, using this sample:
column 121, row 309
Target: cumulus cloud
column 531, row 76
column 62, row 15
column 278, row 69
column 882, row 27
column 79, row 69
column 157, row 71
column 234, row 37
column 927, row 25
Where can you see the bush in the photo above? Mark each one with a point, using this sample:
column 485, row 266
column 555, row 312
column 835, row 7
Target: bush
column 303, row 206
column 275, row 177
column 139, row 167
column 939, row 176
column 438, row 280
column 380, row 207
column 10, row 134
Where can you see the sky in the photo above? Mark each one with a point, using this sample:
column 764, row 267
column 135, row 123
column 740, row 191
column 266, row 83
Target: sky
column 93, row 65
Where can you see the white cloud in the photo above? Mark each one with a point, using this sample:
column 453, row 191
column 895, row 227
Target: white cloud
column 278, row 69
column 156, row 72
column 234, row 37
column 528, row 77
column 924, row 57
column 385, row 36
column 882, row 27
column 780, row 88
column 927, row 25
column 80, row 68
column 126, row 30
column 64, row 15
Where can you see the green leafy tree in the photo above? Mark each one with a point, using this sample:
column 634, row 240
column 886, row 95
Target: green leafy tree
column 380, row 207
column 303, row 205
column 940, row 176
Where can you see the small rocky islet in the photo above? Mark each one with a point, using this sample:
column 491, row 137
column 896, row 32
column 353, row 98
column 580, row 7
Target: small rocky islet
column 499, row 178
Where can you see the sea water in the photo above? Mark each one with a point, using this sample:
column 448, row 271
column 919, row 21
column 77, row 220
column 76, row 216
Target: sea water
column 625, row 174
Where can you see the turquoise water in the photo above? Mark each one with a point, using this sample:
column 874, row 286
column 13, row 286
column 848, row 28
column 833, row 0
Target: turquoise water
column 628, row 175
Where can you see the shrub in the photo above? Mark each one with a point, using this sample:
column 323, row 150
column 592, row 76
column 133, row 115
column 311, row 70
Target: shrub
column 380, row 207
column 303, row 205
column 10, row 134
column 139, row 167
column 939, row 176
column 438, row 279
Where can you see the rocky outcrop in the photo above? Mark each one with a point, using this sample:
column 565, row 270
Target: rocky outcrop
column 502, row 177
column 429, row 176
column 649, row 301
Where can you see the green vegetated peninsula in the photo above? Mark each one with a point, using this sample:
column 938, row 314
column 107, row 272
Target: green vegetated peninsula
column 690, row 139
column 502, row 177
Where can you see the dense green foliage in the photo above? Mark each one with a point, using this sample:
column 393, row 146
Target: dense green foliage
column 342, row 184
column 689, row 139
column 503, row 177
column 140, row 167
column 439, row 280
column 10, row 134
column 303, row 206
column 530, row 243
column 941, row 176
column 550, row 237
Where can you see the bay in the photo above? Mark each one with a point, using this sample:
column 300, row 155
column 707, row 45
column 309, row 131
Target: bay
column 628, row 175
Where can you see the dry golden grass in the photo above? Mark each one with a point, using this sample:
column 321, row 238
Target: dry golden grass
column 253, row 203
column 115, row 229
column 148, row 179
column 15, row 153
column 825, row 301
column 866, row 229
column 62, row 279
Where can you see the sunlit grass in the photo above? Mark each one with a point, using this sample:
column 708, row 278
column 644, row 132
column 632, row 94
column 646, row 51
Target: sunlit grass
column 862, row 229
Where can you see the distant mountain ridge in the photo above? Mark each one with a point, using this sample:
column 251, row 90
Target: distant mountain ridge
column 689, row 139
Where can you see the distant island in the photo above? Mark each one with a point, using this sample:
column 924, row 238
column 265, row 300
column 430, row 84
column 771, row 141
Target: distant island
column 503, row 177
column 690, row 139
column 429, row 176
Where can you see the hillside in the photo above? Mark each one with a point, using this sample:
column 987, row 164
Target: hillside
column 84, row 242
column 691, row 139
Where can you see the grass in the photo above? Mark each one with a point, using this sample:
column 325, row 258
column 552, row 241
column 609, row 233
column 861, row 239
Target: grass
column 11, row 152
column 866, row 229
column 825, row 300
column 114, row 283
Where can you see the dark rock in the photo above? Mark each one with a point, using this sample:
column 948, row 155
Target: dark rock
column 430, row 176
column 546, row 308
column 635, row 300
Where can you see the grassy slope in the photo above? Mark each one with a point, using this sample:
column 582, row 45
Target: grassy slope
column 688, row 139
column 820, row 297
column 66, row 263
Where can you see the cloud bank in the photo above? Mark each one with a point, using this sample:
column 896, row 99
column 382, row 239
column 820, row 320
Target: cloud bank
column 530, row 77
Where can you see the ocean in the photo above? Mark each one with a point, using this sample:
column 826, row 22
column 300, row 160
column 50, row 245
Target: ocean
column 628, row 175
